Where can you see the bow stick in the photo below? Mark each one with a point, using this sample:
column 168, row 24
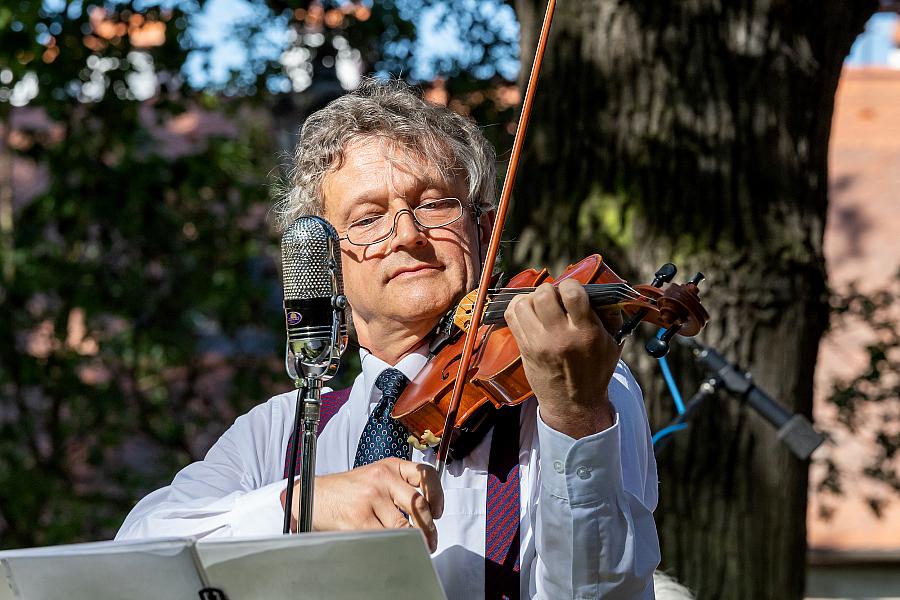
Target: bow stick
column 494, row 246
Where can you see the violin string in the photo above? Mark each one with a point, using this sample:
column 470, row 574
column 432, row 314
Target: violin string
column 600, row 298
column 604, row 294
column 498, row 308
column 624, row 293
column 590, row 289
column 589, row 286
column 608, row 297
column 605, row 297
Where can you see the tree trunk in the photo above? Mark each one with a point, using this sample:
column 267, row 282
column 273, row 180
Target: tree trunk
column 698, row 132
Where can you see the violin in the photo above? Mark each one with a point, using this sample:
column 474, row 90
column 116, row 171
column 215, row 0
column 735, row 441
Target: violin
column 496, row 376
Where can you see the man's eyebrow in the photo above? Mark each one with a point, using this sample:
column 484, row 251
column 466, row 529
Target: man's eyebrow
column 438, row 183
column 375, row 196
column 362, row 197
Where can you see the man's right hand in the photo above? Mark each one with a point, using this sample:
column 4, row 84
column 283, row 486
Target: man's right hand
column 373, row 496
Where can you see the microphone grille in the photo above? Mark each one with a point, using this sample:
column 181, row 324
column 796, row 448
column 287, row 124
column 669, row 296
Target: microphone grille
column 308, row 247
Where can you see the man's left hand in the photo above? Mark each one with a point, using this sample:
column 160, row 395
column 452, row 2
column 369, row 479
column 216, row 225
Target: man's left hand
column 569, row 355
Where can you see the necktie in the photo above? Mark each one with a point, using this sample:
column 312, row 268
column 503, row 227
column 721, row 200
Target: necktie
column 383, row 436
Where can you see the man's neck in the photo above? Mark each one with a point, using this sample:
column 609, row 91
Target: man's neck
column 389, row 340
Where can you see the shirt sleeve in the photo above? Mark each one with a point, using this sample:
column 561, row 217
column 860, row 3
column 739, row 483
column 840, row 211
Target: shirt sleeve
column 230, row 492
column 595, row 535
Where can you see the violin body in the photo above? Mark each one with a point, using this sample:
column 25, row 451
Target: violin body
column 496, row 377
column 500, row 380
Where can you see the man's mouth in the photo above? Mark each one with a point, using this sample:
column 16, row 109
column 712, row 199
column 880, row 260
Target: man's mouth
column 412, row 270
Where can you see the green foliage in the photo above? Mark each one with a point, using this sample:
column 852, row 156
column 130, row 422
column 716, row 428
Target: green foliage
column 140, row 309
column 140, row 291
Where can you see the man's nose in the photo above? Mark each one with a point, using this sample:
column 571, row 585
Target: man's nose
column 406, row 231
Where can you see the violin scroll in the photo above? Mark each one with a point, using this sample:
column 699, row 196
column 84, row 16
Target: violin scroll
column 676, row 308
column 686, row 296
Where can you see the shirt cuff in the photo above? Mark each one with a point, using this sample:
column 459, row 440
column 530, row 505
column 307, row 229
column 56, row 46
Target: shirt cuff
column 583, row 471
column 259, row 512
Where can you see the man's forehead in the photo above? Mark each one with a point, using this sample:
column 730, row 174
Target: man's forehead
column 377, row 165
column 387, row 154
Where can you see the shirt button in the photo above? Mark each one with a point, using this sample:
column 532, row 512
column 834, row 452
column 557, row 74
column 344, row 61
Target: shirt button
column 583, row 472
column 558, row 466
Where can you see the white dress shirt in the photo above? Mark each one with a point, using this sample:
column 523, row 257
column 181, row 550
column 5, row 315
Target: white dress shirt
column 586, row 522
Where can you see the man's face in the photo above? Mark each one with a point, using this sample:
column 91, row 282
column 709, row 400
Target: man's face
column 413, row 277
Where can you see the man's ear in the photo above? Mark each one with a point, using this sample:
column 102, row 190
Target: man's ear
column 485, row 226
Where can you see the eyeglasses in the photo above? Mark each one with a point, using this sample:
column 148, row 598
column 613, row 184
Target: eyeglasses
column 428, row 215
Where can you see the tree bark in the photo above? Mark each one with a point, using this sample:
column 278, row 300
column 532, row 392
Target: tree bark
column 698, row 132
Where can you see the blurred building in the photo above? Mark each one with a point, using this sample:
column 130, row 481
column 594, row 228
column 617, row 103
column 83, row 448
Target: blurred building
column 853, row 553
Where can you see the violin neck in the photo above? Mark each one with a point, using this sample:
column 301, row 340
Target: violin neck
column 600, row 295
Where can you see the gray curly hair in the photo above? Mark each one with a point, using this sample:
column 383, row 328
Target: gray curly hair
column 391, row 110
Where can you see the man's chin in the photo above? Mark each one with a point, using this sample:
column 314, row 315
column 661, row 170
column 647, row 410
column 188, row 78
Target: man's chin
column 423, row 302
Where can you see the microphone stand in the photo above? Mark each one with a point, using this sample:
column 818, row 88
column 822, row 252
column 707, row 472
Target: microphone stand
column 794, row 430
column 311, row 408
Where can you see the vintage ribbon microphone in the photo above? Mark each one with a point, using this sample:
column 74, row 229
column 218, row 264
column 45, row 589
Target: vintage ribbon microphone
column 314, row 305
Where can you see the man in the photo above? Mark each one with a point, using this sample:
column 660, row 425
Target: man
column 410, row 188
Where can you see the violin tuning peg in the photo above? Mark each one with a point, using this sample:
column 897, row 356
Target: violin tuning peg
column 658, row 347
column 696, row 279
column 664, row 274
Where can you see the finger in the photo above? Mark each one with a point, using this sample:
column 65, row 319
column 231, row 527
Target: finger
column 426, row 478
column 512, row 321
column 611, row 319
column 548, row 307
column 387, row 513
column 528, row 323
column 379, row 516
column 411, row 502
column 576, row 303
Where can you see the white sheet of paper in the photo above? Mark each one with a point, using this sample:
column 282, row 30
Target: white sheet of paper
column 6, row 592
column 145, row 570
column 376, row 565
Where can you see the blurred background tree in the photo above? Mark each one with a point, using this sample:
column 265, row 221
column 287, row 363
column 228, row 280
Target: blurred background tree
column 698, row 133
column 140, row 289
column 137, row 283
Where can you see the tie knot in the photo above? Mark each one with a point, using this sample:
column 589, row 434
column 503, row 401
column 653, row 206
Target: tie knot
column 391, row 383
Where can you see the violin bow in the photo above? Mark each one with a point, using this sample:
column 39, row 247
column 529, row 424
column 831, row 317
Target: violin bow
column 494, row 246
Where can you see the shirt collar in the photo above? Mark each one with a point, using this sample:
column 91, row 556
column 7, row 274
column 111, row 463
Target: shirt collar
column 372, row 366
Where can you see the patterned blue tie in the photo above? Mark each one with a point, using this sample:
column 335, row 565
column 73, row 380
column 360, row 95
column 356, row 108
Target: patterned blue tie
column 382, row 436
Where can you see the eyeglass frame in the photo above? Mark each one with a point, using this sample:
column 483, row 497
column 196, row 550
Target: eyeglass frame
column 411, row 211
